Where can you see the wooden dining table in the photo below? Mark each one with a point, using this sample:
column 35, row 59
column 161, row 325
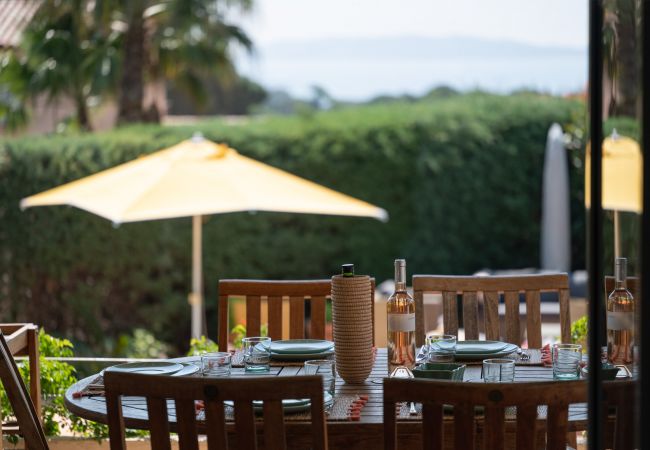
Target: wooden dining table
column 366, row 433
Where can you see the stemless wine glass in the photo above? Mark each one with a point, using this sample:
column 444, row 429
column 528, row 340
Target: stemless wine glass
column 326, row 369
column 215, row 364
column 499, row 370
column 257, row 354
column 442, row 348
column 566, row 361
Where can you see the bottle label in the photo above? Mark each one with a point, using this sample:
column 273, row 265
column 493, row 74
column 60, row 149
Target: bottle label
column 620, row 320
column 401, row 322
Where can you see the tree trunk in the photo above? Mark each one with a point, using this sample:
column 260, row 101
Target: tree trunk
column 627, row 61
column 82, row 112
column 132, row 80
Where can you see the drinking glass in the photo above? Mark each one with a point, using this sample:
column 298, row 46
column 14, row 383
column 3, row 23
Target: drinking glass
column 257, row 354
column 442, row 348
column 216, row 364
column 566, row 361
column 498, row 370
column 326, row 369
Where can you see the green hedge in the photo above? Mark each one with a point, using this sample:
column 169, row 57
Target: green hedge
column 460, row 178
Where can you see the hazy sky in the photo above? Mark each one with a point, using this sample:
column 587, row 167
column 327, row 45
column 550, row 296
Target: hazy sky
column 310, row 24
column 543, row 22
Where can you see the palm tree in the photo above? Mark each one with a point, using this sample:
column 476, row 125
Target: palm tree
column 65, row 51
column 180, row 40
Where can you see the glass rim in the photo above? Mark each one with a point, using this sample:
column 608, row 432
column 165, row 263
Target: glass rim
column 215, row 354
column 500, row 361
column 563, row 345
column 319, row 362
column 444, row 337
column 256, row 339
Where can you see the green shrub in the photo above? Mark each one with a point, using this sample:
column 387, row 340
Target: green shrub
column 198, row 346
column 459, row 176
column 56, row 378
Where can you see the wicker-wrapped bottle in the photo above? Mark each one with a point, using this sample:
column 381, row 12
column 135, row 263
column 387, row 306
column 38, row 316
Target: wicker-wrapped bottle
column 352, row 325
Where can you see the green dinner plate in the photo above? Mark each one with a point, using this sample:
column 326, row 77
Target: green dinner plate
column 482, row 347
column 301, row 356
column 293, row 346
column 478, row 356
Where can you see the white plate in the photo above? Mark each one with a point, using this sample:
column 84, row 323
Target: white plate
column 188, row 369
column 148, row 368
column 301, row 346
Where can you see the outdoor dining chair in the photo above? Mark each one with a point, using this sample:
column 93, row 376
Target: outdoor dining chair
column 298, row 292
column 178, row 395
column 28, row 422
column 497, row 400
column 490, row 288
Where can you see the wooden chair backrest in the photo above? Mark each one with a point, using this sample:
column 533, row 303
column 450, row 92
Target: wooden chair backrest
column 633, row 285
column 511, row 286
column 299, row 292
column 184, row 391
column 623, row 396
column 28, row 421
column 494, row 397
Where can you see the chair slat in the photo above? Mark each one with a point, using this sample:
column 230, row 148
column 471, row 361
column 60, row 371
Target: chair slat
column 464, row 426
column 158, row 423
column 296, row 317
column 318, row 425
column 556, row 426
column 186, row 422
column 533, row 319
column 513, row 335
column 23, row 408
column 317, row 319
column 215, row 416
column 526, row 427
column 418, row 297
column 116, row 433
column 494, row 427
column 470, row 315
column 222, row 337
column 492, row 316
column 245, row 425
column 390, row 431
column 274, row 436
column 275, row 317
column 565, row 316
column 450, row 312
column 253, row 315
column 432, row 426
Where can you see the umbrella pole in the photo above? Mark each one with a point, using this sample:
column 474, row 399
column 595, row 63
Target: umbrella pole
column 617, row 235
column 196, row 297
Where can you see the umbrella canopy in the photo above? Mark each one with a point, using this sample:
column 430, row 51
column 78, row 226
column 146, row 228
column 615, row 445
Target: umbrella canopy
column 194, row 178
column 622, row 179
column 198, row 177
column 622, row 175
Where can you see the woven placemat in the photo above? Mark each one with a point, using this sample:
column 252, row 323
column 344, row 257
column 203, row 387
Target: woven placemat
column 535, row 358
column 402, row 411
column 339, row 410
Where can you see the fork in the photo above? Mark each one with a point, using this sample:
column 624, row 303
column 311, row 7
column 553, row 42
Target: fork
column 523, row 356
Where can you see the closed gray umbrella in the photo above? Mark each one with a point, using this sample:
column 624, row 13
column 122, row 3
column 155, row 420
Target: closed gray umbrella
column 556, row 212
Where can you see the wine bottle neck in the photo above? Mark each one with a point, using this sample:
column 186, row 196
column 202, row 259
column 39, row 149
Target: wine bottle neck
column 620, row 272
column 400, row 276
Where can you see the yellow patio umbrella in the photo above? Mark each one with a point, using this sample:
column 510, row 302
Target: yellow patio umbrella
column 622, row 179
column 194, row 178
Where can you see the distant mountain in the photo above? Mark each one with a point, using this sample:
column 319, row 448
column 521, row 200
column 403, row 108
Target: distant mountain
column 411, row 47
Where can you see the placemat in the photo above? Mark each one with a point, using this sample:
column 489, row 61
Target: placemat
column 402, row 412
column 534, row 353
column 339, row 410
